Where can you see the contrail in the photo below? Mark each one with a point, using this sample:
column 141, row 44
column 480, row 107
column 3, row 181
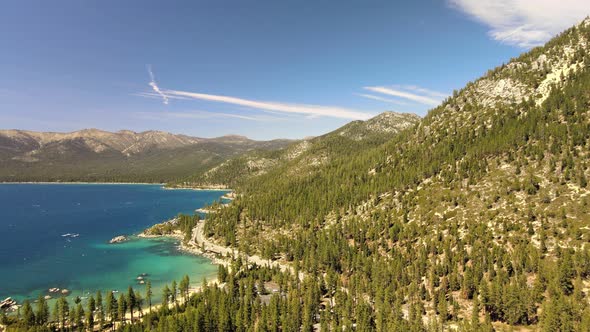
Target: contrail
column 155, row 86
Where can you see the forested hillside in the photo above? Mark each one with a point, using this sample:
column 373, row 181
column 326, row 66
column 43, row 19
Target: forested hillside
column 304, row 156
column 477, row 215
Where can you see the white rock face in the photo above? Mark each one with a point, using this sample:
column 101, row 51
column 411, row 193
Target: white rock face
column 553, row 78
column 540, row 62
column 505, row 90
column 297, row 150
column 384, row 123
column 561, row 67
column 261, row 165
column 524, row 78
column 391, row 122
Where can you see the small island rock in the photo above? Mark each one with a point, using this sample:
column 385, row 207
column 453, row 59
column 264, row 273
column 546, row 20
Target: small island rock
column 118, row 239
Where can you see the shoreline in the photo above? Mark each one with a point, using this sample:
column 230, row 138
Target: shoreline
column 189, row 248
column 83, row 182
column 214, row 281
column 198, row 188
column 178, row 245
column 163, row 185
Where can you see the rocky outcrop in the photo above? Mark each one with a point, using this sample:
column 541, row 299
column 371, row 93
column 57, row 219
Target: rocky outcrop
column 118, row 239
column 506, row 90
column 7, row 303
column 384, row 123
column 166, row 228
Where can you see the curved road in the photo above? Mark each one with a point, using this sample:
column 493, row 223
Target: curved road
column 200, row 240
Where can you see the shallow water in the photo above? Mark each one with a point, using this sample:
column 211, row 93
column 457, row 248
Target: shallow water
column 35, row 255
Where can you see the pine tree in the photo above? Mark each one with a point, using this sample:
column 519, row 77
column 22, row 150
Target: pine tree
column 90, row 313
column 166, row 296
column 89, row 321
column 148, row 294
column 139, row 304
column 55, row 312
column 173, row 291
column 566, row 272
column 100, row 309
column 79, row 316
column 551, row 312
column 475, row 314
column 28, row 314
column 131, row 300
column 63, row 310
column 42, row 314
column 442, row 308
column 184, row 287
column 111, row 307
column 122, row 308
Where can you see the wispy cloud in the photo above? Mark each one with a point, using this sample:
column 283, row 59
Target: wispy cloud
column 409, row 92
column 424, row 91
column 155, row 86
column 202, row 115
column 524, row 23
column 153, row 95
column 385, row 100
column 311, row 111
column 290, row 108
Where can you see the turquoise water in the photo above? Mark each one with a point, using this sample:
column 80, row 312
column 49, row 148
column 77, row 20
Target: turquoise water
column 35, row 255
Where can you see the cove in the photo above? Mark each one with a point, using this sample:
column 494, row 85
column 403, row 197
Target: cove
column 56, row 235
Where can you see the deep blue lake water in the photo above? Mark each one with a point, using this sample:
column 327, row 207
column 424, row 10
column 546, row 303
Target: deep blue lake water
column 35, row 255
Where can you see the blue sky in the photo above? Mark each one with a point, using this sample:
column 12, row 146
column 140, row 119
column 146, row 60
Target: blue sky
column 263, row 69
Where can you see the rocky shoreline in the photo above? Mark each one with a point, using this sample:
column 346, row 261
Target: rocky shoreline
column 8, row 304
column 188, row 247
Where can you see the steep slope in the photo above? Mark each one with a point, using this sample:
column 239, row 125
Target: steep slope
column 95, row 155
column 305, row 156
column 477, row 215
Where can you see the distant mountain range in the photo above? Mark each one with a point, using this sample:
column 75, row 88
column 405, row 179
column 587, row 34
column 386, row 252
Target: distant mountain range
column 155, row 156
column 97, row 155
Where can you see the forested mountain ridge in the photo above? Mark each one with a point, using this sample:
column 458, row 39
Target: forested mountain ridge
column 477, row 217
column 96, row 155
column 304, row 156
column 529, row 77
